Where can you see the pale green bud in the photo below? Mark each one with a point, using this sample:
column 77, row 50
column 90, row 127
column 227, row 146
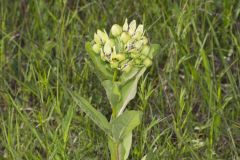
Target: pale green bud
column 110, row 42
column 145, row 50
column 116, row 30
column 103, row 35
column 125, row 37
column 107, row 49
column 125, row 26
column 97, row 39
column 132, row 27
column 138, row 44
column 145, row 40
column 143, row 57
column 147, row 62
column 96, row 48
column 140, row 29
column 138, row 61
column 134, row 54
column 139, row 32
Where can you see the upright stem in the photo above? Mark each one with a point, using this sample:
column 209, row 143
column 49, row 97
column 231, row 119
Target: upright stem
column 115, row 75
column 116, row 155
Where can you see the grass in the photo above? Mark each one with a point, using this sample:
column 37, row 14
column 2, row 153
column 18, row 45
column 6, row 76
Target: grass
column 190, row 96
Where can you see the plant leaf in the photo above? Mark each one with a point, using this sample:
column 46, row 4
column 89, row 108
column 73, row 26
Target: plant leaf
column 128, row 92
column 129, row 75
column 124, row 124
column 113, row 92
column 120, row 149
column 66, row 122
column 102, row 70
column 126, row 144
column 96, row 116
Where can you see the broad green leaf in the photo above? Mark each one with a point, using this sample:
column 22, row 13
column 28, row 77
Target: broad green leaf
column 126, row 144
column 102, row 70
column 96, row 116
column 154, row 49
column 129, row 75
column 128, row 92
column 124, row 124
column 120, row 150
column 66, row 123
column 113, row 92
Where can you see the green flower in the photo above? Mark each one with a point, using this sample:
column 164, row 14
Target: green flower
column 125, row 48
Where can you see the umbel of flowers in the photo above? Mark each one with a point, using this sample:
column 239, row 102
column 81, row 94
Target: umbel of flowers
column 118, row 59
column 125, row 47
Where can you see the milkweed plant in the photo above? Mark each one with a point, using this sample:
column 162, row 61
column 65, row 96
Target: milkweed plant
column 119, row 60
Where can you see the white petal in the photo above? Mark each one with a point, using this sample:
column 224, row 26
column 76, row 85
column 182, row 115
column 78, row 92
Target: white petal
column 125, row 26
column 102, row 35
column 140, row 29
column 139, row 32
column 138, row 44
column 132, row 27
column 107, row 49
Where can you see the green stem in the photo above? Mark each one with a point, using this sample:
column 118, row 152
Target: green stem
column 115, row 75
column 117, row 153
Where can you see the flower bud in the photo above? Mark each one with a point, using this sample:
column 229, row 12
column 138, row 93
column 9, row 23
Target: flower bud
column 145, row 50
column 116, row 30
column 110, row 42
column 147, row 62
column 125, row 37
column 97, row 39
column 137, row 61
column 107, row 49
column 134, row 54
column 96, row 48
column 140, row 29
column 142, row 57
column 139, row 32
column 138, row 44
column 103, row 35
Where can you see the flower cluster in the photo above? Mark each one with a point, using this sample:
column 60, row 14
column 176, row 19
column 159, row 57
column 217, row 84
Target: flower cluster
column 125, row 47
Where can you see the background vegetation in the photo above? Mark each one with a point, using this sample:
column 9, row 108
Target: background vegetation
column 190, row 96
